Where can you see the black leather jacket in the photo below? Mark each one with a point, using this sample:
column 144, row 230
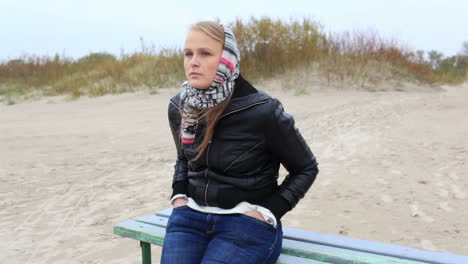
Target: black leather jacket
column 250, row 141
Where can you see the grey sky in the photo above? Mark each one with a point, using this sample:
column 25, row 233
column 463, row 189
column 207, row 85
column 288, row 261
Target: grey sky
column 77, row 27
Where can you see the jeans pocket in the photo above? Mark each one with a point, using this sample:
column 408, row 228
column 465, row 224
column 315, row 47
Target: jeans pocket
column 257, row 235
column 179, row 207
column 257, row 221
column 177, row 218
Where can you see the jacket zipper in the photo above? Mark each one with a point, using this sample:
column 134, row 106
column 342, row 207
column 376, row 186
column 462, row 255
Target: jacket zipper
column 241, row 156
column 209, row 144
column 206, row 172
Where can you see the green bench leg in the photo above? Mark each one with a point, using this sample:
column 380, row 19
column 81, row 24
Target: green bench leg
column 146, row 252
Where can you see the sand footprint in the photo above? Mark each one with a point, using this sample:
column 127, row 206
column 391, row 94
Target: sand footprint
column 386, row 198
column 396, row 172
column 453, row 175
column 416, row 212
column 443, row 193
column 381, row 181
column 440, row 183
column 459, row 194
column 427, row 245
column 445, row 206
column 325, row 182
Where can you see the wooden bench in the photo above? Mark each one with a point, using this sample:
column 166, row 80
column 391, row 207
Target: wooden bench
column 299, row 246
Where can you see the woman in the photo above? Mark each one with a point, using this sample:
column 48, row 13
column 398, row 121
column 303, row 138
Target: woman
column 231, row 139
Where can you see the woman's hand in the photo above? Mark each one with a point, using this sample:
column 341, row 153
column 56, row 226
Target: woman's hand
column 181, row 201
column 256, row 214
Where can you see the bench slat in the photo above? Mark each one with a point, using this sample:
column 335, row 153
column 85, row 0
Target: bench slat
column 141, row 231
column 285, row 259
column 337, row 255
column 380, row 248
column 310, row 250
column 165, row 212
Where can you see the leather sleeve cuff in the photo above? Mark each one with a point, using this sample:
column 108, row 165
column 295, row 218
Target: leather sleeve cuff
column 277, row 205
column 179, row 187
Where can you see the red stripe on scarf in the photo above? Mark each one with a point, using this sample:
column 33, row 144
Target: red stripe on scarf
column 187, row 141
column 228, row 63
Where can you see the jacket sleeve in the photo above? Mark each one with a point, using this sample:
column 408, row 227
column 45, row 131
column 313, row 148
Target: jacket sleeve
column 289, row 147
column 180, row 180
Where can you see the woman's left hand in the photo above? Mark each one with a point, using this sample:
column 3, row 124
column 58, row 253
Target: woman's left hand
column 256, row 214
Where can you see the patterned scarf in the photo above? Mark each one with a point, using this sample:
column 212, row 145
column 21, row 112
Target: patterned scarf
column 195, row 101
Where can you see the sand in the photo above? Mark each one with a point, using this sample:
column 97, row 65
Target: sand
column 393, row 168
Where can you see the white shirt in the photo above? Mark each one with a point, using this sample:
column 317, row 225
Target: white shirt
column 240, row 208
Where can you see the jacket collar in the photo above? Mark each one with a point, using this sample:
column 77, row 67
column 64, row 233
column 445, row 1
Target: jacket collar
column 243, row 97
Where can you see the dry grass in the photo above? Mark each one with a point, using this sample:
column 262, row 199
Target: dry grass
column 93, row 75
column 269, row 48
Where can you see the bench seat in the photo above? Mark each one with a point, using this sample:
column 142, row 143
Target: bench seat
column 300, row 246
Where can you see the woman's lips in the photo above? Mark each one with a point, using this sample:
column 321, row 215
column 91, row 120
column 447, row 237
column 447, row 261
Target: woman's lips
column 194, row 74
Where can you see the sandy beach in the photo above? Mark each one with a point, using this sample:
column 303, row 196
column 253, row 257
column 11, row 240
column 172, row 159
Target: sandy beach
column 393, row 168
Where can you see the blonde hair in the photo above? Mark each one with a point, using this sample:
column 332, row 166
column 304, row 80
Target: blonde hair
column 211, row 28
column 216, row 31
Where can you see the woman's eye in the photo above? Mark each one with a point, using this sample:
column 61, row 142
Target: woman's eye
column 206, row 53
column 188, row 54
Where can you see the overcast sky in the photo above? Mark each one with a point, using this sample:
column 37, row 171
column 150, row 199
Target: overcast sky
column 77, row 27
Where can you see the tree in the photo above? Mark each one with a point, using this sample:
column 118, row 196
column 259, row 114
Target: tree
column 464, row 50
column 435, row 58
column 420, row 56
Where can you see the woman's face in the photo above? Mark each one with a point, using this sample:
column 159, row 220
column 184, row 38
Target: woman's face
column 201, row 58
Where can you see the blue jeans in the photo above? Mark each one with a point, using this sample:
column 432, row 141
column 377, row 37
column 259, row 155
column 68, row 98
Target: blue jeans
column 196, row 237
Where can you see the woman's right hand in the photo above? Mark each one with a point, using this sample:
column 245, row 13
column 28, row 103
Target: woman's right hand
column 181, row 201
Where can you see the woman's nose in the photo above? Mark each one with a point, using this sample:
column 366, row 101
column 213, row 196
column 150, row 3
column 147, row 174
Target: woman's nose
column 194, row 61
